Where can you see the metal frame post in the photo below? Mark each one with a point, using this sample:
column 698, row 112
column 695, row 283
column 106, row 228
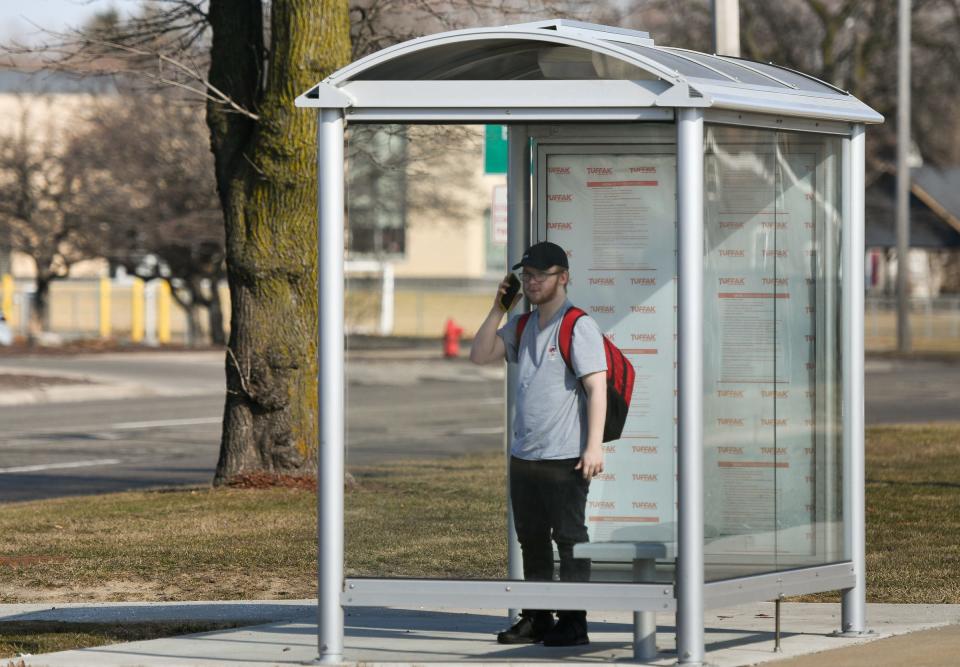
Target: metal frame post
column 518, row 239
column 690, row 603
column 904, row 340
column 644, row 622
column 330, row 448
column 854, row 515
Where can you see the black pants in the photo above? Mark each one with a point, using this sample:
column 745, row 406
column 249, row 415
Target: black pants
column 549, row 501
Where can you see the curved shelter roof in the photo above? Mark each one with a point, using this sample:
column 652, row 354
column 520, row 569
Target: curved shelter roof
column 567, row 69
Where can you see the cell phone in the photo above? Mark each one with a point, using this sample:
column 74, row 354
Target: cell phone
column 508, row 297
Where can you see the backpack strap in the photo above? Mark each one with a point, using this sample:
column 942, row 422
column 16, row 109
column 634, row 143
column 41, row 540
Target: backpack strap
column 521, row 325
column 565, row 337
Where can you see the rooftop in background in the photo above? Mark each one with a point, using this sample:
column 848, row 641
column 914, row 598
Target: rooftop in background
column 934, row 209
column 596, row 57
column 39, row 82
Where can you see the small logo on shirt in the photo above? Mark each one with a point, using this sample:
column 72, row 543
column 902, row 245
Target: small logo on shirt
column 552, row 353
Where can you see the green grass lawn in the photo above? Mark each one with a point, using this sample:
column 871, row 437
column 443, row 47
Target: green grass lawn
column 444, row 518
column 201, row 544
column 913, row 514
column 440, row 519
column 432, row 519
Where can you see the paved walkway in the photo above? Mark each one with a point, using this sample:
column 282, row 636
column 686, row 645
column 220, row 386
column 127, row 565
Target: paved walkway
column 929, row 648
column 740, row 635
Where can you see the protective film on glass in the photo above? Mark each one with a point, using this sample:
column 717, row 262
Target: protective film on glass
column 614, row 211
column 771, row 358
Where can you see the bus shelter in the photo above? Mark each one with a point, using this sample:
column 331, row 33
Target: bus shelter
column 713, row 211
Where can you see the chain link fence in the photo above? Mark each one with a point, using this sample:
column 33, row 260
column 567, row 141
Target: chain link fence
column 934, row 323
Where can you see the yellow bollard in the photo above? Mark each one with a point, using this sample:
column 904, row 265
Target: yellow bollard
column 163, row 312
column 7, row 306
column 104, row 307
column 136, row 311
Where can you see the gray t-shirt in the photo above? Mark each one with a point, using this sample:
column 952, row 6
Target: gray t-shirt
column 551, row 408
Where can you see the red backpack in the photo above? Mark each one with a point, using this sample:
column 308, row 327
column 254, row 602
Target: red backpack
column 620, row 372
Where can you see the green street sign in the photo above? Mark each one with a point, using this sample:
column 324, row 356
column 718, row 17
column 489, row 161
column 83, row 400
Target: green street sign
column 495, row 149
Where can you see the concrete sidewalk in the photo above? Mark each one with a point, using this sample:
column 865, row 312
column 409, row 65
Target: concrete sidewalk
column 740, row 635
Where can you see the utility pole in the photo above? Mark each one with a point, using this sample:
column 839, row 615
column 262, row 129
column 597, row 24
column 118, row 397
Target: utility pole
column 726, row 27
column 903, row 177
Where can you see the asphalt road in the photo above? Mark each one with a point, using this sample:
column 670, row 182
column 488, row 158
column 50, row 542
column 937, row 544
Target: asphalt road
column 102, row 446
column 912, row 391
column 396, row 410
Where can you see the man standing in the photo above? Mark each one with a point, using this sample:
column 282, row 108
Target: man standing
column 556, row 442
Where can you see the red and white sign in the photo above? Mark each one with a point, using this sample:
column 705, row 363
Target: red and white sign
column 619, row 230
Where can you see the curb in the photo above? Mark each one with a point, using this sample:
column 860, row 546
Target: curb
column 75, row 393
column 251, row 612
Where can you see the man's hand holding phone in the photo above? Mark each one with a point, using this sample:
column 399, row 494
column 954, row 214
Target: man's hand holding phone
column 487, row 347
column 508, row 292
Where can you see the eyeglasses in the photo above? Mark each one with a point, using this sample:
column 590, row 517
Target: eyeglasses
column 537, row 277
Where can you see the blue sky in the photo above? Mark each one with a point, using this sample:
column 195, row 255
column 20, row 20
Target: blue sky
column 16, row 16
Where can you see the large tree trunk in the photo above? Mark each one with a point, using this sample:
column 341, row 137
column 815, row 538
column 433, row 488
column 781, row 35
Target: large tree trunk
column 266, row 175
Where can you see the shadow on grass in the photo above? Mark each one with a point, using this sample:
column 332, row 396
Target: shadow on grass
column 892, row 482
column 33, row 637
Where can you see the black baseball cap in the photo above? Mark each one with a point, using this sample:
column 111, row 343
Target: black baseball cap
column 542, row 256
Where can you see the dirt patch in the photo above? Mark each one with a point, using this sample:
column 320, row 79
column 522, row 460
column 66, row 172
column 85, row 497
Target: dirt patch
column 104, row 591
column 19, row 381
column 268, row 480
column 24, row 561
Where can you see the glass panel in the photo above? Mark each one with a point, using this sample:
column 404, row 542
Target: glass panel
column 678, row 62
column 376, row 180
column 733, row 68
column 613, row 209
column 424, row 432
column 802, row 82
column 503, row 59
column 771, row 359
column 487, row 59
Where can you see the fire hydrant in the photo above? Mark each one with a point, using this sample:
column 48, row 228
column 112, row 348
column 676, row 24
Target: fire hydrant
column 451, row 339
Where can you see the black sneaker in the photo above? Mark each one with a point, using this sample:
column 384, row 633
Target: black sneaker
column 528, row 630
column 567, row 632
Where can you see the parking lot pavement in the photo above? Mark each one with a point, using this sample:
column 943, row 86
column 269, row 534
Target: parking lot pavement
column 897, row 390
column 167, row 432
column 911, row 391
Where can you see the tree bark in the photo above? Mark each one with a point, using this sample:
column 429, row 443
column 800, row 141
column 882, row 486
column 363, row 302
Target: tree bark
column 266, row 177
